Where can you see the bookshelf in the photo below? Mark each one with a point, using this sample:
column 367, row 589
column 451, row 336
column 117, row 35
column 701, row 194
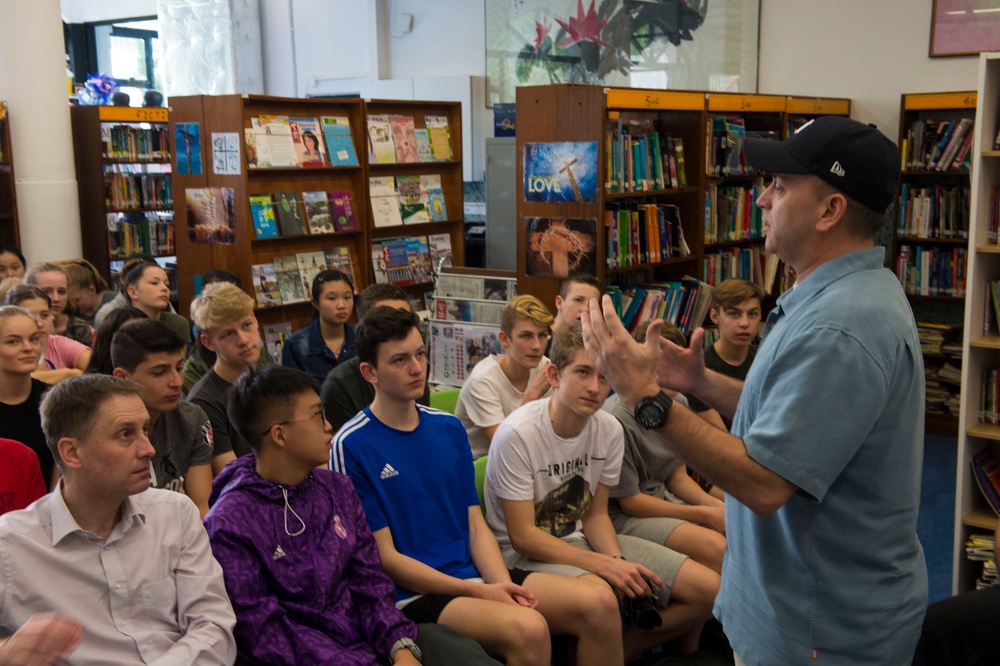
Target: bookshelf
column 579, row 114
column 226, row 118
column 981, row 344
column 9, row 231
column 930, row 235
column 123, row 170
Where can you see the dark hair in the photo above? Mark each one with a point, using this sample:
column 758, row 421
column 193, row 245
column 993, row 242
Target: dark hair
column 71, row 407
column 25, row 292
column 308, row 134
column 265, row 396
column 136, row 340
column 377, row 292
column 580, row 278
column 100, row 359
column 4, row 248
column 135, row 274
column 329, row 275
column 131, row 262
column 382, row 324
column 221, row 275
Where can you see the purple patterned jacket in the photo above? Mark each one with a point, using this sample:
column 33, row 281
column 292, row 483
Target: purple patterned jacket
column 319, row 597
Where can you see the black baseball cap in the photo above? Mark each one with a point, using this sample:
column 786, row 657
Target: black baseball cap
column 855, row 158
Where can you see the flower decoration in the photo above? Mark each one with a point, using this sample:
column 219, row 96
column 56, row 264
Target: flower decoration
column 97, row 90
column 585, row 26
column 542, row 29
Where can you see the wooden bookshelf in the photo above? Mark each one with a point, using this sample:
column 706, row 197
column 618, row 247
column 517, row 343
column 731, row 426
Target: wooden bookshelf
column 114, row 146
column 9, row 231
column 923, row 242
column 981, row 344
column 232, row 114
column 589, row 114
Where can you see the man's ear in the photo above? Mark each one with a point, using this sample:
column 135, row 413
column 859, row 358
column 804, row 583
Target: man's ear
column 206, row 342
column 832, row 213
column 69, row 451
column 552, row 373
column 713, row 314
column 121, row 373
column 504, row 340
column 559, row 303
column 369, row 372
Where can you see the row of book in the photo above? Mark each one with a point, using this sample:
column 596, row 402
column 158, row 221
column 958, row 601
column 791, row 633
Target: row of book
column 396, row 139
column 398, row 200
column 753, row 264
column 684, row 303
column 299, row 213
column 288, row 279
column 940, row 338
column 724, row 146
column 993, row 217
column 732, row 214
column 980, row 548
column 136, row 191
column 933, row 212
column 136, row 143
column 408, row 260
column 150, row 233
column 942, row 388
column 277, row 141
column 641, row 159
column 932, row 271
column 637, row 234
column 938, row 145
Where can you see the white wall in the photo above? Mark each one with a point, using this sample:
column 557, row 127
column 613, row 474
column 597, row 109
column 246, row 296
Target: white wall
column 84, row 11
column 871, row 51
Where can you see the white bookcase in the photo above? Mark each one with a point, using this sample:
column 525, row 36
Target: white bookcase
column 981, row 346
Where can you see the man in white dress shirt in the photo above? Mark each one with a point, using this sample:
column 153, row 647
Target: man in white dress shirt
column 105, row 568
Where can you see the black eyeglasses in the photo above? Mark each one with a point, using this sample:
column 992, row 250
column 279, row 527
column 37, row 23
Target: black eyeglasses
column 320, row 414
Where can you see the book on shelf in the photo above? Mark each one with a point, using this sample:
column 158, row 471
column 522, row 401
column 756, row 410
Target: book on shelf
column 134, row 142
column 683, row 302
column 932, row 271
column 439, row 246
column 986, row 469
column 640, row 233
column 310, row 264
column 262, row 213
column 150, row 232
column 938, row 145
column 402, row 261
column 381, row 149
column 289, row 279
column 288, row 211
column 404, row 139
column 342, row 258
column 933, row 211
column 432, row 196
column 439, row 135
column 274, row 339
column 385, row 201
column 339, row 144
column 308, row 142
column 411, row 204
column 265, row 285
column 423, row 139
column 318, row 215
column 275, row 136
column 342, row 206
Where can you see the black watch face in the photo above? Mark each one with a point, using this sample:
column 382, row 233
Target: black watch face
column 650, row 414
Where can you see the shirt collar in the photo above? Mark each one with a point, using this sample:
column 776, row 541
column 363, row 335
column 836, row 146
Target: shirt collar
column 64, row 524
column 860, row 260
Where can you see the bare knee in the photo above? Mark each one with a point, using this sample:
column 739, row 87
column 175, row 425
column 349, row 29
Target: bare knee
column 527, row 637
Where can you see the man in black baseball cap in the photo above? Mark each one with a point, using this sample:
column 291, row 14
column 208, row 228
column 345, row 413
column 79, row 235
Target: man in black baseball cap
column 822, row 466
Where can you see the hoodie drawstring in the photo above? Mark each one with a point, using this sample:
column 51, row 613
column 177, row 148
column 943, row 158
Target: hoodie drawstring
column 288, row 507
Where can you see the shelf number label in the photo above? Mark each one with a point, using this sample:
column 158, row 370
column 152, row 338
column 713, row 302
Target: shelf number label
column 152, row 115
column 746, row 104
column 652, row 101
column 969, row 101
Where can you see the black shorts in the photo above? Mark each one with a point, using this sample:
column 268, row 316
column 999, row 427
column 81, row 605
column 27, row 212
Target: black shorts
column 429, row 607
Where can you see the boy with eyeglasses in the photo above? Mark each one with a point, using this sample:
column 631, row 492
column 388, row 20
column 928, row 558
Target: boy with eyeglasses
column 498, row 385
column 299, row 561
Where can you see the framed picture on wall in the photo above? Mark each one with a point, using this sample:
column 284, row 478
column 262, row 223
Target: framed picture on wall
column 964, row 27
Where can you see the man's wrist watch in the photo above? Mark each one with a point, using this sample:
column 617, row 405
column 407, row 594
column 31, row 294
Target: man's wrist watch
column 651, row 413
column 408, row 644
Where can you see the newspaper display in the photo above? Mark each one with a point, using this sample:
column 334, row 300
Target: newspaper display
column 456, row 347
column 467, row 309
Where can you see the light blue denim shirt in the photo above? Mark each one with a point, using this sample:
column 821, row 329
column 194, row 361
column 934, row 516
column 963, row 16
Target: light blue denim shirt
column 834, row 403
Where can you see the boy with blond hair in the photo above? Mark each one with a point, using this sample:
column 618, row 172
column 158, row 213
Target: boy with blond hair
column 498, row 385
column 227, row 326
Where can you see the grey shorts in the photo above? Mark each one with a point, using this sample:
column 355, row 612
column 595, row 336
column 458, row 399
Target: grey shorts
column 664, row 562
column 654, row 528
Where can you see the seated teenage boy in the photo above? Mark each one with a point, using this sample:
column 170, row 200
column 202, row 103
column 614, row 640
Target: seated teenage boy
column 498, row 385
column 736, row 311
column 345, row 392
column 655, row 498
column 575, row 293
column 150, row 354
column 413, row 469
column 547, row 480
column 300, row 564
column 227, row 326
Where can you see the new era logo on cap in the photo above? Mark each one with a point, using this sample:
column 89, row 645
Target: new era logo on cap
column 855, row 158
